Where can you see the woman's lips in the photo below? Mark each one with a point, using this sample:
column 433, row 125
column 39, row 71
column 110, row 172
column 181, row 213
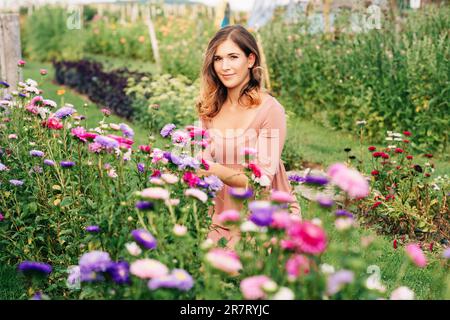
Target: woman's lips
column 227, row 76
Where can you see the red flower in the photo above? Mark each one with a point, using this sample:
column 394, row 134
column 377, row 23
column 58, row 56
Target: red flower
column 375, row 172
column 428, row 155
column 156, row 174
column 384, row 155
column 409, row 157
column 372, row 148
column 255, row 169
column 407, row 133
column 398, row 167
column 52, row 123
column 376, row 204
column 427, row 175
column 145, row 149
column 398, row 150
column 405, row 140
column 394, row 244
column 377, row 154
column 390, row 196
column 205, row 164
column 431, row 246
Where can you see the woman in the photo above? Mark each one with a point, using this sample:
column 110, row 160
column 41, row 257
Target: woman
column 237, row 113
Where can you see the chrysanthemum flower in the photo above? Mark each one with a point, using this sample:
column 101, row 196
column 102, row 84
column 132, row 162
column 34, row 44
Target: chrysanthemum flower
column 144, row 238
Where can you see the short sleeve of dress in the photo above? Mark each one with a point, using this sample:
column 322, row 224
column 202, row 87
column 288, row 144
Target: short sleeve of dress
column 271, row 138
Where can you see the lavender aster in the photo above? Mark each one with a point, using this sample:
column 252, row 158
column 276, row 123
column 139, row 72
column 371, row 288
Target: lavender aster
column 167, row 129
column 296, row 178
column 16, row 183
column 3, row 167
column 214, row 183
column 317, row 180
column 120, row 272
column 126, row 130
column 93, row 263
column 49, row 162
column 241, row 193
column 35, row 268
column 337, row 280
column 106, row 142
column 261, row 213
column 67, row 164
column 343, row 213
column 179, row 279
column 64, row 112
column 446, row 253
column 4, row 84
column 36, row 153
column 144, row 205
column 144, row 238
column 189, row 162
column 141, row 167
column 92, row 229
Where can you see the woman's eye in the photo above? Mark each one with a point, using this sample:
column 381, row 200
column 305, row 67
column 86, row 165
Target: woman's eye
column 233, row 57
column 216, row 58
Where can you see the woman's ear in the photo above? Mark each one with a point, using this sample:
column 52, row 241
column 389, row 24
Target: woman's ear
column 251, row 60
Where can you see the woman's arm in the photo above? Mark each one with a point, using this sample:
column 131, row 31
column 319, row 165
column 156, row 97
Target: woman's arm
column 231, row 177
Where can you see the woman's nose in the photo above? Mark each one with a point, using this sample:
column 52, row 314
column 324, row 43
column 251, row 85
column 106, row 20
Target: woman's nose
column 225, row 64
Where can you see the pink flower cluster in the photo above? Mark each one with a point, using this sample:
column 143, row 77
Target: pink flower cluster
column 306, row 237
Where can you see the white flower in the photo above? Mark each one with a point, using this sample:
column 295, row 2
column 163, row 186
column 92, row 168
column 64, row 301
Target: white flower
column 284, row 294
column 373, row 283
column 169, row 178
column 98, row 130
column 127, row 155
column 264, row 181
column 179, row 230
column 317, row 222
column 389, row 138
column 402, row 293
column 133, row 248
column 114, row 126
column 343, row 224
column 249, row 226
column 207, row 244
column 327, row 268
column 157, row 181
column 361, row 122
column 270, row 286
column 31, row 83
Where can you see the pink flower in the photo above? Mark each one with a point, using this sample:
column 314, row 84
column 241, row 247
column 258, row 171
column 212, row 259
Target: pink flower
column 95, row 147
column 281, row 220
column 145, row 149
column 224, row 260
column 21, row 63
column 106, row 112
column 148, row 268
column 53, row 123
column 155, row 193
column 416, row 254
column 349, row 180
column 252, row 287
column 12, row 136
column 281, row 197
column 229, row 216
column 297, row 266
column 255, row 169
column 307, row 237
column 196, row 193
column 179, row 230
column 249, row 151
column 169, row 178
column 43, row 72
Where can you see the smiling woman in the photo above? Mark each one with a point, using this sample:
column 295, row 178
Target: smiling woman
column 239, row 114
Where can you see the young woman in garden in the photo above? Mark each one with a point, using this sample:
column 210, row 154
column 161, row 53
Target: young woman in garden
column 238, row 113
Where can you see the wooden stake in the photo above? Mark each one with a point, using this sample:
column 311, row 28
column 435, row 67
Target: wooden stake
column 10, row 50
column 153, row 39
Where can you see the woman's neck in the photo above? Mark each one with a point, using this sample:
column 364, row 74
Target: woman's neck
column 234, row 93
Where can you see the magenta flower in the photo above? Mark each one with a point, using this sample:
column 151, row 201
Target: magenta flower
column 297, row 266
column 416, row 254
column 307, row 237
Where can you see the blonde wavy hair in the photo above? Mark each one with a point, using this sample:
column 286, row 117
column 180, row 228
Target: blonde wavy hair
column 213, row 93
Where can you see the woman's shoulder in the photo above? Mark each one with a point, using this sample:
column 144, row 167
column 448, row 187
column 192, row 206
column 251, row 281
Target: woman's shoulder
column 274, row 107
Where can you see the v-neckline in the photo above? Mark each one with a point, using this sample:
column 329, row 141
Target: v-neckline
column 261, row 107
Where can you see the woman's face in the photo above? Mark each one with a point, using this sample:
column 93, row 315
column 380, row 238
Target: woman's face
column 232, row 65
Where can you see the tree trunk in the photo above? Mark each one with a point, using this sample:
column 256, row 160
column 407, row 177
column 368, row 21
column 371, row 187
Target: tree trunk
column 10, row 51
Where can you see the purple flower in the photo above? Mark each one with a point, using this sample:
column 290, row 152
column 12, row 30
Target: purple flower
column 126, row 130
column 175, row 159
column 144, row 205
column 241, row 193
column 3, row 167
column 261, row 213
column 337, row 280
column 120, row 272
column 296, row 178
column 4, row 84
column 106, row 142
column 318, row 180
column 93, row 263
column 35, row 268
column 167, row 129
column 64, row 112
column 144, row 238
column 67, row 164
column 39, row 296
column 2, row 217
column 325, row 201
column 343, row 213
column 93, row 229
column 141, row 167
column 49, row 162
column 189, row 162
column 15, row 182
column 36, row 153
column 446, row 253
column 214, row 183
column 177, row 279
column 37, row 169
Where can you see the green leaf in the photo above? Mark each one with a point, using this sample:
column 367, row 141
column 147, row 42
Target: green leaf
column 66, row 202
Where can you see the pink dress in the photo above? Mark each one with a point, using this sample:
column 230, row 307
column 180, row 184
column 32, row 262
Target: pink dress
column 267, row 134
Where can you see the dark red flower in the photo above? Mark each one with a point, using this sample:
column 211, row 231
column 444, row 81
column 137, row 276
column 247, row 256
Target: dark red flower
column 398, row 150
column 428, row 155
column 376, row 204
column 398, row 167
column 377, row 154
column 394, row 244
column 409, row 157
column 427, row 175
column 407, row 133
column 384, row 155
column 375, row 172
column 372, row 148
column 156, row 174
column 406, row 141
column 431, row 246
